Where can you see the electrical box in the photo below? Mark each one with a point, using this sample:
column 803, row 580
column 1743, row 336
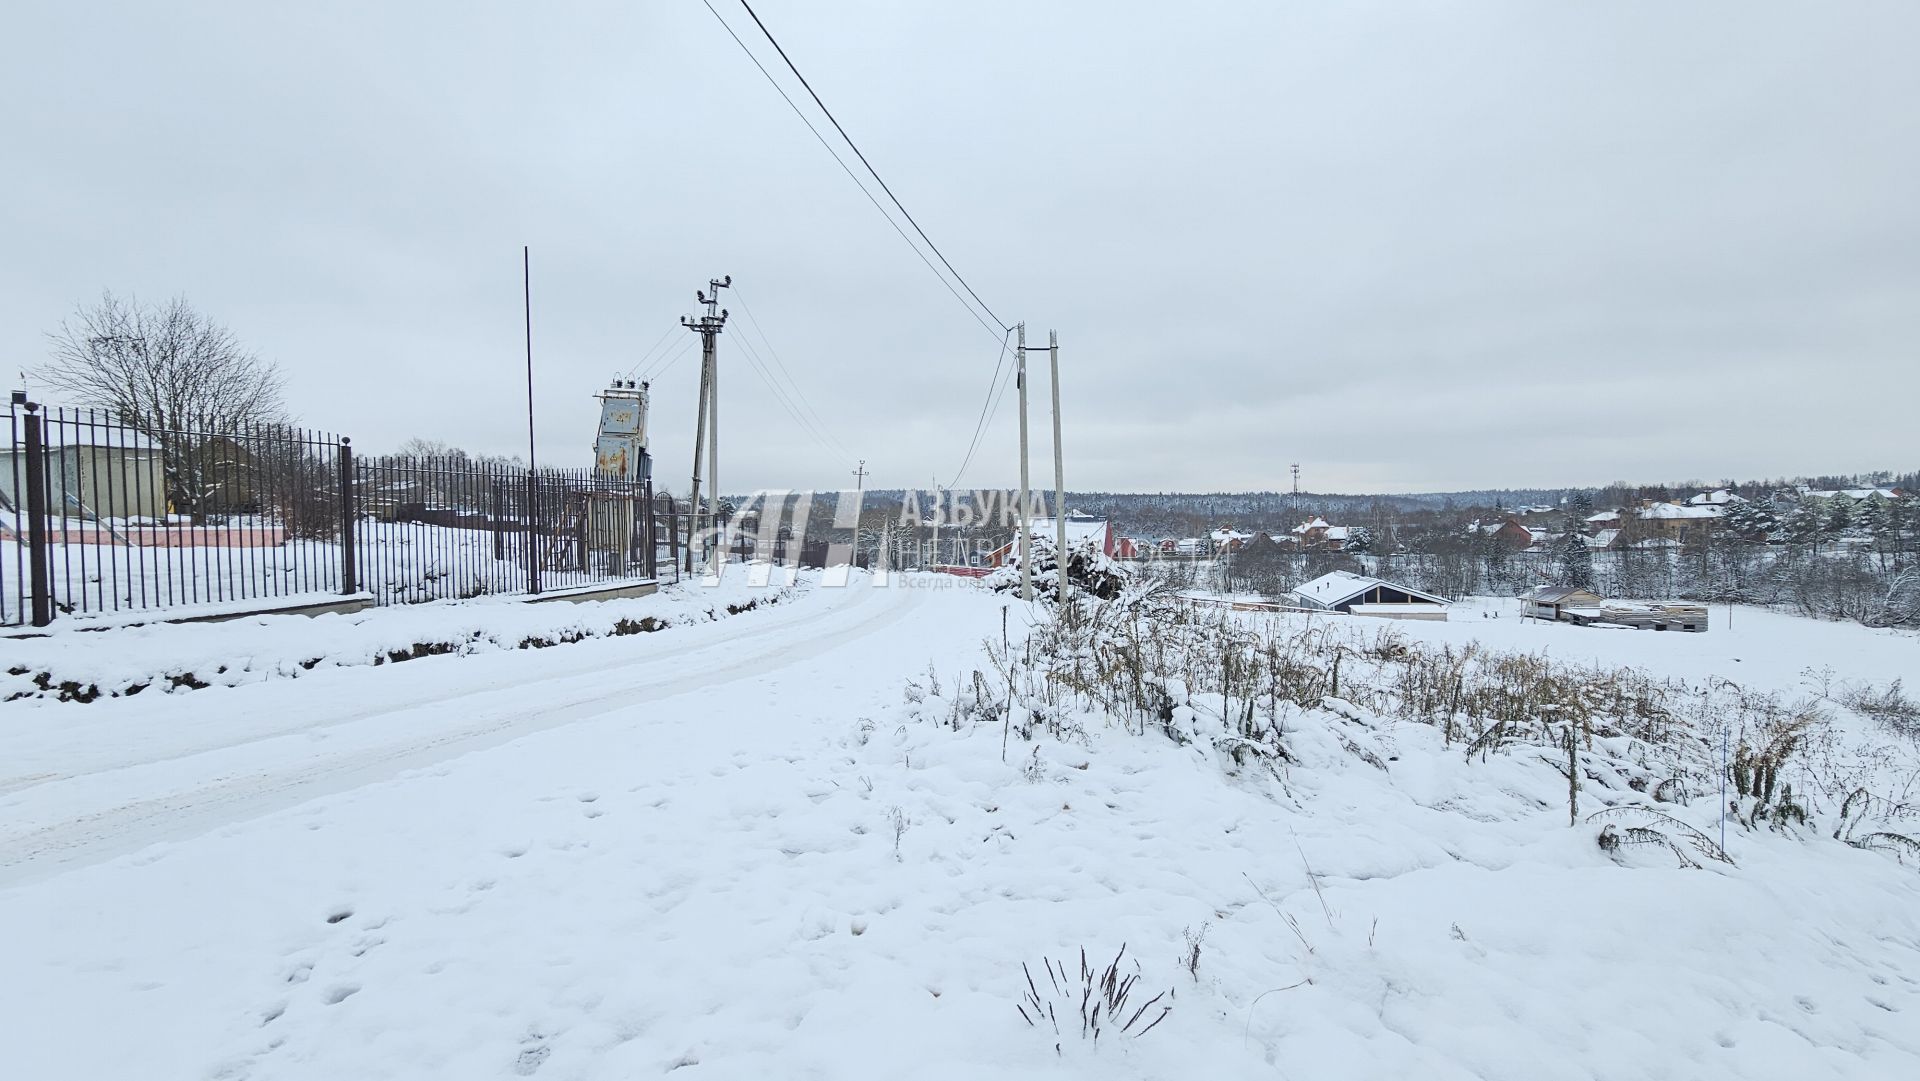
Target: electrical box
column 620, row 450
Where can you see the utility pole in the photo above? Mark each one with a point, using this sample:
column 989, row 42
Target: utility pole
column 935, row 561
column 708, row 327
column 860, row 476
column 1026, row 541
column 1059, row 472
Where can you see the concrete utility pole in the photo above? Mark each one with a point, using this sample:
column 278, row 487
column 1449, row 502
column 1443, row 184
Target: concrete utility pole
column 1026, row 541
column 935, row 561
column 699, row 439
column 708, row 327
column 1059, row 471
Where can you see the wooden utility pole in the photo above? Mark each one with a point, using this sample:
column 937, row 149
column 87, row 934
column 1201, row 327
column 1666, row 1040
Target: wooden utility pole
column 1059, row 472
column 1026, row 541
column 859, row 475
column 708, row 327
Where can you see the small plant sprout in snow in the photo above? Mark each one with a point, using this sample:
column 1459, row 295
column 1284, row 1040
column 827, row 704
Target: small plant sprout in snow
column 1100, row 1001
column 1190, row 959
column 897, row 818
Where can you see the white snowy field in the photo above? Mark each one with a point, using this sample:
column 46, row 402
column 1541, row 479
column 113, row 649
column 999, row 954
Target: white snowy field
column 732, row 849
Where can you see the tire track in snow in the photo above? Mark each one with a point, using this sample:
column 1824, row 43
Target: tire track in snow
column 239, row 794
column 310, row 716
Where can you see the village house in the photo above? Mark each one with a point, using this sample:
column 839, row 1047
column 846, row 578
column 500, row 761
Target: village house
column 103, row 473
column 1316, row 534
column 1674, row 522
column 1356, row 594
column 1081, row 529
column 1719, row 497
column 1804, row 494
column 1510, row 533
column 1229, row 539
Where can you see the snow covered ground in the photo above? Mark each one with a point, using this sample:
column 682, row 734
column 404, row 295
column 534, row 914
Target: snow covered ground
column 159, row 657
column 734, row 849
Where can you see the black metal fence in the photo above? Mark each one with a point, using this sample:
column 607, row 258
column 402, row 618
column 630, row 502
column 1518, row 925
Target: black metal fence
column 99, row 517
column 436, row 528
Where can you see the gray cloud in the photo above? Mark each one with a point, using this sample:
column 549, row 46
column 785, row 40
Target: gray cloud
column 1410, row 246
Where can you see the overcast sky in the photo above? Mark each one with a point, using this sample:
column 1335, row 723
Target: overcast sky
column 1413, row 246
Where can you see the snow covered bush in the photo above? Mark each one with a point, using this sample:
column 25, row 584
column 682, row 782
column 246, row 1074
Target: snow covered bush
column 1089, row 571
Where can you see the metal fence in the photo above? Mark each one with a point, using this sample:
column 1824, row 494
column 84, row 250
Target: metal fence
column 99, row 517
column 437, row 528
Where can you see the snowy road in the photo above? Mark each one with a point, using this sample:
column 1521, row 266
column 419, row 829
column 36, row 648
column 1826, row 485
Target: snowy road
column 196, row 764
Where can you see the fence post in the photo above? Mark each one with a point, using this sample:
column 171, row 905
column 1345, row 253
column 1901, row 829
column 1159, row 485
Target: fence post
column 349, row 569
column 38, row 577
column 499, row 522
column 533, row 543
column 647, row 555
column 673, row 540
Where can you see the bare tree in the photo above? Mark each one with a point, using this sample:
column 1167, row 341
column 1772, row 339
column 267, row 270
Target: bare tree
column 170, row 372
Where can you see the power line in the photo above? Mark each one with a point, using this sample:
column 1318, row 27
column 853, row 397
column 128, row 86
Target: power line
column 759, row 367
column 667, row 361
column 798, row 394
column 644, row 357
column 851, row 175
column 863, row 160
column 987, row 407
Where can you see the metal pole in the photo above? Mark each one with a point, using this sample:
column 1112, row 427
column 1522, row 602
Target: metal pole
column 38, row 576
column 526, row 288
column 1059, row 470
column 533, row 545
column 533, row 540
column 349, row 571
column 1026, row 542
column 935, row 562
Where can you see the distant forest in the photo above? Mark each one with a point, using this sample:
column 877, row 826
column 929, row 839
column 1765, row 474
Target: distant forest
column 1165, row 514
column 1190, row 514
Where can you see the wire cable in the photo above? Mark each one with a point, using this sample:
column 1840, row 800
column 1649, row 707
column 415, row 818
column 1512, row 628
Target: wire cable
column 851, row 175
column 798, row 395
column 863, row 160
column 980, row 427
column 668, row 360
column 644, row 357
column 760, row 369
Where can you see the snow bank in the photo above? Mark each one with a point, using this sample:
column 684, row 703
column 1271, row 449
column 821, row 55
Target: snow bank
column 77, row 664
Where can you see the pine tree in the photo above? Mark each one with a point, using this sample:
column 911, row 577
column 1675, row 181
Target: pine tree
column 1839, row 515
column 1579, row 509
column 1574, row 560
column 1805, row 524
column 1749, row 521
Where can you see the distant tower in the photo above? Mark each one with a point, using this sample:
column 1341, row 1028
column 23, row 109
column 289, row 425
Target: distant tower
column 1296, row 489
